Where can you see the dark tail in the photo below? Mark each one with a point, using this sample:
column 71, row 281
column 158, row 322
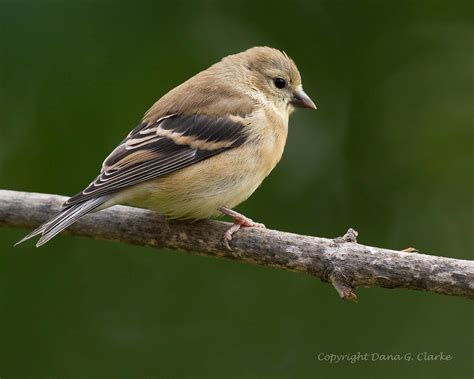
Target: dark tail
column 63, row 219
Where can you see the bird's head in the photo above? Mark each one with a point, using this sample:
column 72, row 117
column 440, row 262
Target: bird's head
column 271, row 73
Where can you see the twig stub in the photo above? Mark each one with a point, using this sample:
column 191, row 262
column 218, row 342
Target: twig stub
column 342, row 283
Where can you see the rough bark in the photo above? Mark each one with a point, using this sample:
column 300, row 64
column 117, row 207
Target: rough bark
column 341, row 261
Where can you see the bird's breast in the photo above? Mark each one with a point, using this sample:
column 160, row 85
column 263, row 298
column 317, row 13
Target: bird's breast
column 224, row 180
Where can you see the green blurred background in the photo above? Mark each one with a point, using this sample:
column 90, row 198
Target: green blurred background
column 389, row 152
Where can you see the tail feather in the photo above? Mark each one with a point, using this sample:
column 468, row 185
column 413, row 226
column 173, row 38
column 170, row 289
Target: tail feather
column 63, row 219
column 35, row 232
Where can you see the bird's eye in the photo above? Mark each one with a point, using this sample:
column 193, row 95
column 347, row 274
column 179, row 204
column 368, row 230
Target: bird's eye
column 279, row 83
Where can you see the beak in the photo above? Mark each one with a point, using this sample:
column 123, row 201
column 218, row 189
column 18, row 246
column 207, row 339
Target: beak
column 301, row 100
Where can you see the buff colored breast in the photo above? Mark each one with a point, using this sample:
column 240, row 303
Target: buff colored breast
column 225, row 180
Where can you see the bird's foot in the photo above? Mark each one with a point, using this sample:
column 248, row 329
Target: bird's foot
column 166, row 221
column 239, row 221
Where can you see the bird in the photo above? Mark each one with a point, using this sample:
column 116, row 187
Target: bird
column 202, row 149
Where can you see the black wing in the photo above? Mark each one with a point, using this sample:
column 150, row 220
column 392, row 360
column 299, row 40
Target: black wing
column 169, row 144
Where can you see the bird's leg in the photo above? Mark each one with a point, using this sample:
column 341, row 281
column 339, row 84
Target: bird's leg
column 239, row 221
column 166, row 221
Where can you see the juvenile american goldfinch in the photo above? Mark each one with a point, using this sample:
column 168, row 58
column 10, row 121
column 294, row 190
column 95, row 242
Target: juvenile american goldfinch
column 203, row 148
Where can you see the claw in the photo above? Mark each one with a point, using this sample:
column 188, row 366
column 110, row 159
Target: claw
column 239, row 221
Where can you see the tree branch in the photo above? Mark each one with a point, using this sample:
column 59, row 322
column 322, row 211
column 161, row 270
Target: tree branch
column 341, row 261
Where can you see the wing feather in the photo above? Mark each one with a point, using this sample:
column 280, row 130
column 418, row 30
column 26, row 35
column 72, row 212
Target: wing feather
column 169, row 144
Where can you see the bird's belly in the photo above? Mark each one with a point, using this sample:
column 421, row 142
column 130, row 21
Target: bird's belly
column 196, row 192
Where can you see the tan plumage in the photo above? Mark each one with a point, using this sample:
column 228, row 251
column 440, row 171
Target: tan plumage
column 202, row 148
